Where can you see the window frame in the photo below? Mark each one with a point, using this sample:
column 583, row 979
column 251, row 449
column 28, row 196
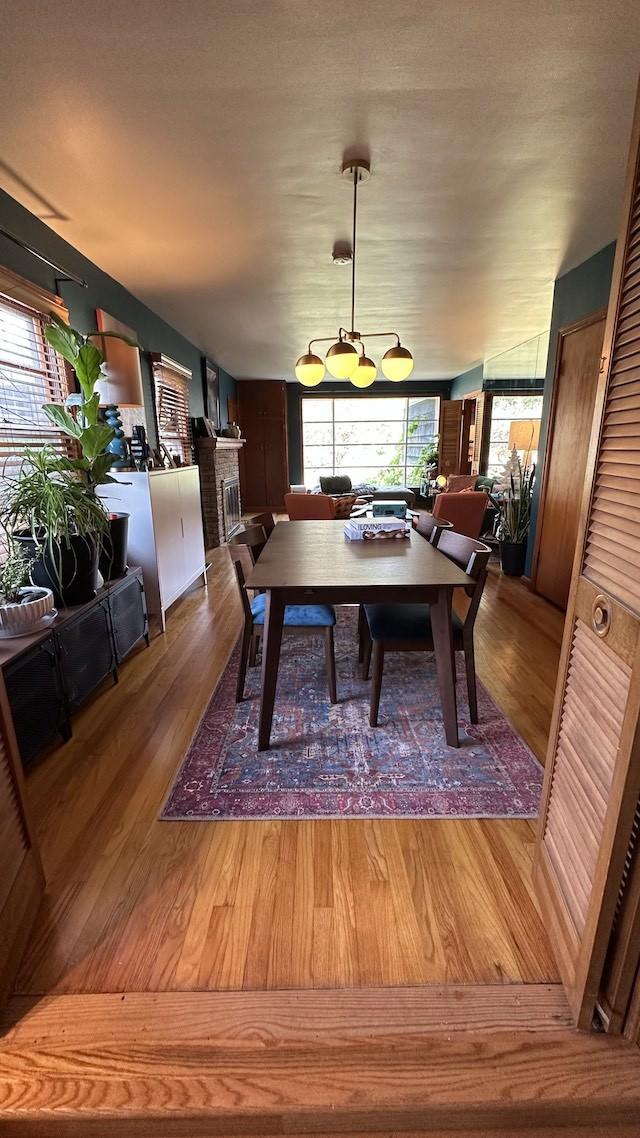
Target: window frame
column 56, row 379
column 511, row 393
column 405, row 420
column 183, row 437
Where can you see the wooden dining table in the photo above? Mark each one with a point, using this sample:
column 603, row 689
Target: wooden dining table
column 312, row 562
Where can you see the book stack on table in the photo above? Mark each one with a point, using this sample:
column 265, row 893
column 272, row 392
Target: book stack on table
column 376, row 529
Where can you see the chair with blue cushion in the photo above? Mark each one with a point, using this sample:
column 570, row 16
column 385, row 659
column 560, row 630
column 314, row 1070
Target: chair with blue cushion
column 398, row 627
column 297, row 618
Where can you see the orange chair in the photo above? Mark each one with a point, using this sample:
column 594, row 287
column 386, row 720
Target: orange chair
column 465, row 510
column 309, row 507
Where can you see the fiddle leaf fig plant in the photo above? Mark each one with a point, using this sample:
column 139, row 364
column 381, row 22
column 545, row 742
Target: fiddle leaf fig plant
column 79, row 415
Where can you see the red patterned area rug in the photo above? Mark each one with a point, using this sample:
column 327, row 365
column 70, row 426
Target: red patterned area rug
column 327, row 762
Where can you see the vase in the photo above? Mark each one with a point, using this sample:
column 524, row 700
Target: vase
column 113, row 554
column 513, row 555
column 70, row 571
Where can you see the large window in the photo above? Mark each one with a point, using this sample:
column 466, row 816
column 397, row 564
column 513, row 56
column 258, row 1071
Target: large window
column 378, row 440
column 31, row 374
column 515, row 423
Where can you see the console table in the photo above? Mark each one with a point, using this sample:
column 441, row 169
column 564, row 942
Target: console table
column 50, row 673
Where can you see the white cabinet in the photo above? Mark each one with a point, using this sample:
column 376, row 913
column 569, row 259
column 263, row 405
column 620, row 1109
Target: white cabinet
column 165, row 530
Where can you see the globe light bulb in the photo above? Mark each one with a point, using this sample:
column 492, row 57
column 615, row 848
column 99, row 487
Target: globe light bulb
column 309, row 370
column 342, row 360
column 364, row 374
column 397, row 363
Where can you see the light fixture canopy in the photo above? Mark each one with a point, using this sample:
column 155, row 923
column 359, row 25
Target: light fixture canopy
column 310, row 370
column 397, row 363
column 365, row 373
column 343, row 360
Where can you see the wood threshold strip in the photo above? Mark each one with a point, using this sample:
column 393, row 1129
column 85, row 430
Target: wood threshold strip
column 430, row 1060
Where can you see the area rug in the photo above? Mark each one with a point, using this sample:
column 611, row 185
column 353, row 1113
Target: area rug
column 327, row 762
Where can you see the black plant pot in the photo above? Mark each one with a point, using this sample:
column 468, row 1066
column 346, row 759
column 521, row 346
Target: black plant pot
column 71, row 573
column 513, row 555
column 113, row 556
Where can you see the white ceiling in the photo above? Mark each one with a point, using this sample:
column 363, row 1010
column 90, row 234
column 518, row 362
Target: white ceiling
column 191, row 148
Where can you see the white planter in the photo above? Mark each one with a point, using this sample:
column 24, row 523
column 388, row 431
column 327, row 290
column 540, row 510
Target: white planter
column 28, row 616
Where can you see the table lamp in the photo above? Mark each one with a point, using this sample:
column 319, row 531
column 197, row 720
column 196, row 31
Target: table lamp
column 121, row 382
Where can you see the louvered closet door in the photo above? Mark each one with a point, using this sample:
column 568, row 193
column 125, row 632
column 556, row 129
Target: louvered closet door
column 592, row 778
column 21, row 881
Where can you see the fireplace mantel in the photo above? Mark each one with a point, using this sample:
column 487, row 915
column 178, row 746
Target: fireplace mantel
column 219, row 443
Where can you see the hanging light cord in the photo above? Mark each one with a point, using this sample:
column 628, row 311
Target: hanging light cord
column 353, row 249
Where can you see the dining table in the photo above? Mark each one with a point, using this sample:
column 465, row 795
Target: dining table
column 312, row 562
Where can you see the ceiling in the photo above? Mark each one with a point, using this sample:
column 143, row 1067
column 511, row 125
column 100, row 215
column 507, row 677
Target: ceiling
column 192, row 149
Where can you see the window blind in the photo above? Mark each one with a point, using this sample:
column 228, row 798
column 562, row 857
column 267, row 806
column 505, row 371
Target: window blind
column 172, row 407
column 31, row 374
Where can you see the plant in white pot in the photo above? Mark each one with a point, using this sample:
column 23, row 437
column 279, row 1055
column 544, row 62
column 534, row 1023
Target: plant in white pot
column 513, row 493
column 23, row 607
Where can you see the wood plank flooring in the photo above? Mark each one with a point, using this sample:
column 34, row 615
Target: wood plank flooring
column 134, row 904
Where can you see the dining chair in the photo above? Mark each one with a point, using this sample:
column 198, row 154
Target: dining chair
column 398, row 627
column 254, row 537
column 464, row 509
column 309, row 507
column 266, row 520
column 310, row 619
column 431, row 528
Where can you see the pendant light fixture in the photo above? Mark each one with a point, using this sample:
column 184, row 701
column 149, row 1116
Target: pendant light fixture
column 343, row 360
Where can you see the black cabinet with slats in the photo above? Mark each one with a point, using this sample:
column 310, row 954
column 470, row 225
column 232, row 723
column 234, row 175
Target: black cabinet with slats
column 87, row 653
column 48, row 675
column 128, row 608
column 38, row 706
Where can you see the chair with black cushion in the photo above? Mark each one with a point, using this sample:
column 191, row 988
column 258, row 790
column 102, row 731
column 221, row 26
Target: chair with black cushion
column 253, row 537
column 267, row 522
column 297, row 618
column 335, row 484
column 401, row 627
column 428, row 527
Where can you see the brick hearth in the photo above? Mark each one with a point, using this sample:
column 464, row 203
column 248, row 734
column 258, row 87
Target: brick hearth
column 217, row 459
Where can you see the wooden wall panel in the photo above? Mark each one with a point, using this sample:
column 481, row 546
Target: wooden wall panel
column 21, row 878
column 450, row 431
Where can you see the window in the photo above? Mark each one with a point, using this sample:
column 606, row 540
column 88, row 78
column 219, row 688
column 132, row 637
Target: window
column 31, row 374
column 379, row 440
column 172, row 408
column 515, row 422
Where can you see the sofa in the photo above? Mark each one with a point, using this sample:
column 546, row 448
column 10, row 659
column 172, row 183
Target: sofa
column 337, row 485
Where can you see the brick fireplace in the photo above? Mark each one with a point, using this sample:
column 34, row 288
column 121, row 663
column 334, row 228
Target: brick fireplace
column 218, row 460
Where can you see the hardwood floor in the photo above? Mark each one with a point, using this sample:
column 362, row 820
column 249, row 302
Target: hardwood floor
column 135, row 904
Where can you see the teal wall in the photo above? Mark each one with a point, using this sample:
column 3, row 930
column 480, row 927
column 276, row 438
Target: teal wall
column 227, row 390
column 467, row 382
column 153, row 333
column 331, row 387
column 579, row 292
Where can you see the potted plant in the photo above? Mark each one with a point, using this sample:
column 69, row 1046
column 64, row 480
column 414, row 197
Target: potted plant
column 513, row 494
column 428, row 464
column 48, row 510
column 23, row 607
column 81, row 419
